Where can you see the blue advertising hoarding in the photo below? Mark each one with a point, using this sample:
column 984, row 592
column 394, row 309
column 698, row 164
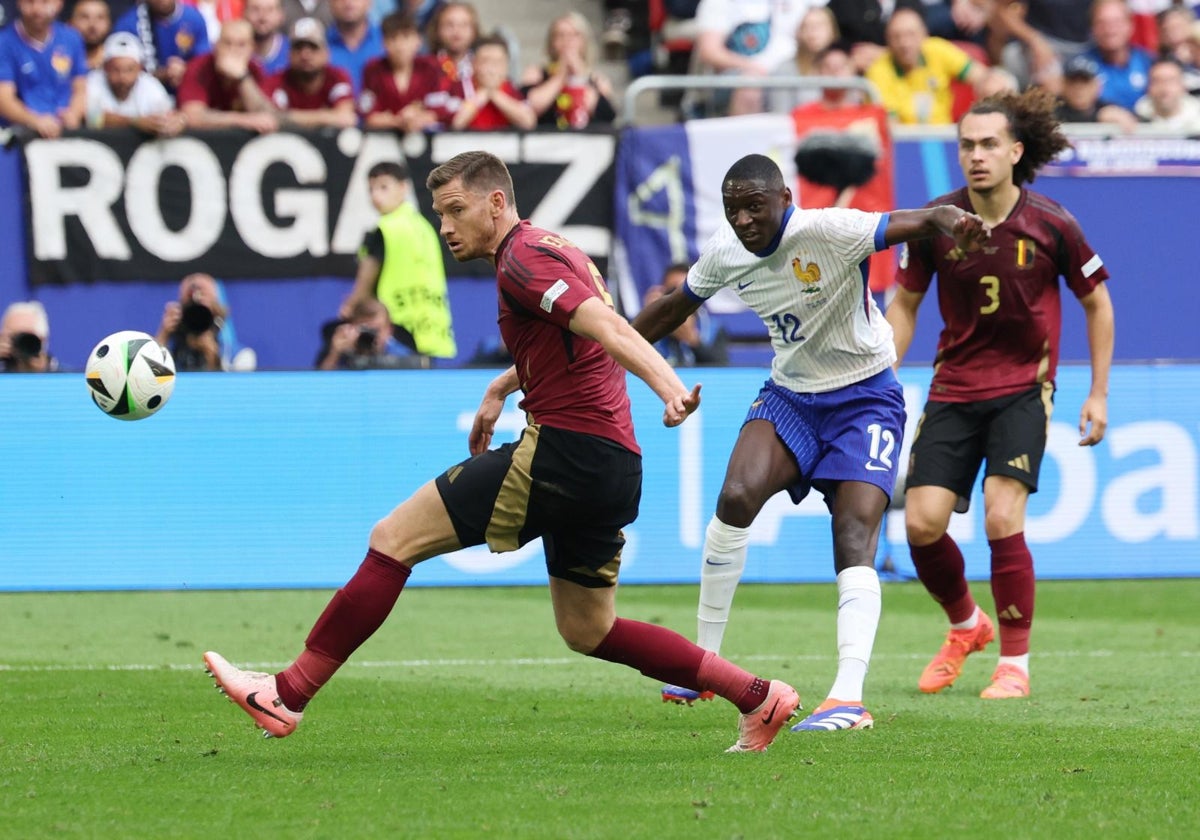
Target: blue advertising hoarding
column 273, row 480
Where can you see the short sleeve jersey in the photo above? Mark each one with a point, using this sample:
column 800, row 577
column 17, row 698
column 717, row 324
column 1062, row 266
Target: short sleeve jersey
column 764, row 30
column 380, row 93
column 335, row 88
column 147, row 97
column 923, row 94
column 810, row 289
column 201, row 83
column 570, row 382
column 1001, row 304
column 183, row 34
column 42, row 73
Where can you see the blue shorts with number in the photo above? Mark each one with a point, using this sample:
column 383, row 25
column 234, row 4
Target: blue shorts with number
column 849, row 434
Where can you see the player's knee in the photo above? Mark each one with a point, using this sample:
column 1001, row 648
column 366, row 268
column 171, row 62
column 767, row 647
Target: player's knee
column 384, row 537
column 580, row 635
column 922, row 530
column 737, row 505
column 1003, row 521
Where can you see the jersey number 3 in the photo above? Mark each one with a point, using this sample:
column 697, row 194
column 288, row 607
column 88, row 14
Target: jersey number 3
column 991, row 288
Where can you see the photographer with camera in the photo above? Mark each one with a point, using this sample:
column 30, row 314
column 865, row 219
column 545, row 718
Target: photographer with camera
column 25, row 339
column 197, row 330
column 365, row 341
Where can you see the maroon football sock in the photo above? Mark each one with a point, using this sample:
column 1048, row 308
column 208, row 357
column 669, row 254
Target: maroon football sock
column 353, row 614
column 668, row 657
column 941, row 568
column 1012, row 587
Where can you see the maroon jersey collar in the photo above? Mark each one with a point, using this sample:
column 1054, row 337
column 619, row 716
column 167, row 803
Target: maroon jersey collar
column 508, row 237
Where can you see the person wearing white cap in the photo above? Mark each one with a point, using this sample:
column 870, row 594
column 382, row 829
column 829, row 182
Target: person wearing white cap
column 121, row 93
column 312, row 93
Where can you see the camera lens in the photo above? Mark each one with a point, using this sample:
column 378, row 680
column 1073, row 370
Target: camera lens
column 196, row 318
column 366, row 340
column 26, row 346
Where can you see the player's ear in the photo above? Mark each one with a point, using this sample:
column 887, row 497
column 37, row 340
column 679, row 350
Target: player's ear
column 1018, row 151
column 497, row 202
column 786, row 195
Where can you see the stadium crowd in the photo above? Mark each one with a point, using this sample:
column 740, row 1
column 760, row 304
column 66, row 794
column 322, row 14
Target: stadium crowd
column 166, row 66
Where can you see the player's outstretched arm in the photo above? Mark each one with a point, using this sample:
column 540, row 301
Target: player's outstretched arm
column 662, row 316
column 593, row 319
column 1093, row 417
column 968, row 230
column 484, row 425
column 902, row 315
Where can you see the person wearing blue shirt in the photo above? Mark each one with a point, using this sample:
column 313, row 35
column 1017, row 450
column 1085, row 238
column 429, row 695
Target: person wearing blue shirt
column 172, row 34
column 43, row 71
column 353, row 39
column 1124, row 68
column 271, row 49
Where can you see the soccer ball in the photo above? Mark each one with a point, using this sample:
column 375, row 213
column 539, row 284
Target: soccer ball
column 130, row 375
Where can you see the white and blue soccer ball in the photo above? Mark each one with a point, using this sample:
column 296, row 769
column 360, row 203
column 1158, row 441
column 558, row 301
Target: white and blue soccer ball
column 130, row 375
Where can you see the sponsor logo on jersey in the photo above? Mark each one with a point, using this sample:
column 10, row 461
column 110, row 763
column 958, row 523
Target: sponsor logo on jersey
column 552, row 294
column 61, row 62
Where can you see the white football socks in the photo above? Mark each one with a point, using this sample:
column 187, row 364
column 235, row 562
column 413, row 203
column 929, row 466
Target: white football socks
column 720, row 571
column 859, row 603
column 1021, row 661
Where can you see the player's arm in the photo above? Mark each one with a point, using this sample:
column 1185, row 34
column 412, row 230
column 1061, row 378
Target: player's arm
column 968, row 230
column 1098, row 310
column 595, row 320
column 484, row 425
column 902, row 315
column 664, row 315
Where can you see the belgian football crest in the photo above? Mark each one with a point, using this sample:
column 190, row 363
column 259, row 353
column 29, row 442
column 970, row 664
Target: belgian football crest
column 1026, row 248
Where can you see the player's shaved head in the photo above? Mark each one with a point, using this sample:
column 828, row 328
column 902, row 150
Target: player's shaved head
column 758, row 169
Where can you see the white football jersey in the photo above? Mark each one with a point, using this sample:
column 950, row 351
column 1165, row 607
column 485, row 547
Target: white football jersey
column 811, row 293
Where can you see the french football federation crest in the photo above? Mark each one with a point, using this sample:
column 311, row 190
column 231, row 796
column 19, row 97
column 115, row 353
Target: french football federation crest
column 808, row 274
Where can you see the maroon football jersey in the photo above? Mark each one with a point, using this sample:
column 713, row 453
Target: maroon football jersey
column 570, row 382
column 335, row 88
column 1001, row 304
column 379, row 91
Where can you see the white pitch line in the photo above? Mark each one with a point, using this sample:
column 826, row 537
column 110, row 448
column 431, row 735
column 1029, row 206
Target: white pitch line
column 565, row 660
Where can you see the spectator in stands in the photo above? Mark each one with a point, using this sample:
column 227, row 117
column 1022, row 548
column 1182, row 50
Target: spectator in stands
column 697, row 341
column 453, row 28
column 197, row 328
column 1080, row 101
column 745, row 38
column 293, row 10
column 421, row 10
column 225, row 89
column 915, row 73
column 1124, row 68
column 121, row 93
column 494, row 102
column 364, row 341
column 1179, row 38
column 818, row 31
column 43, row 71
column 172, row 34
column 216, row 12
column 1035, row 38
column 1167, row 104
column 353, row 39
column 400, row 264
column 25, row 339
column 395, row 84
column 567, row 91
column 312, row 93
column 270, row 44
column 833, row 61
column 92, row 19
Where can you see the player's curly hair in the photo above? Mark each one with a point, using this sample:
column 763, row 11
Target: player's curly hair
column 1031, row 120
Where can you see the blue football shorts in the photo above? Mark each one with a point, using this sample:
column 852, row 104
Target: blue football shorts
column 848, row 434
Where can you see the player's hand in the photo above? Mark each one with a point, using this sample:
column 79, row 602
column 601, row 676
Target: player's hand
column 484, row 425
column 970, row 232
column 1095, row 413
column 679, row 407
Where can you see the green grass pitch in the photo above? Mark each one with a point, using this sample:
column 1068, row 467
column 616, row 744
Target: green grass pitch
column 465, row 716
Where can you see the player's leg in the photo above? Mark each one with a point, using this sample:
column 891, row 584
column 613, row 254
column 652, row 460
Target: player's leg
column 862, row 428
column 416, row 530
column 946, row 455
column 586, row 619
column 759, row 467
column 1016, row 443
column 454, row 510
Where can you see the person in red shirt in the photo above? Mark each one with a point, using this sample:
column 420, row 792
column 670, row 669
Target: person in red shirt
column 395, row 84
column 574, row 478
column 225, row 89
column 452, row 30
column 312, row 93
column 993, row 382
column 494, row 102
